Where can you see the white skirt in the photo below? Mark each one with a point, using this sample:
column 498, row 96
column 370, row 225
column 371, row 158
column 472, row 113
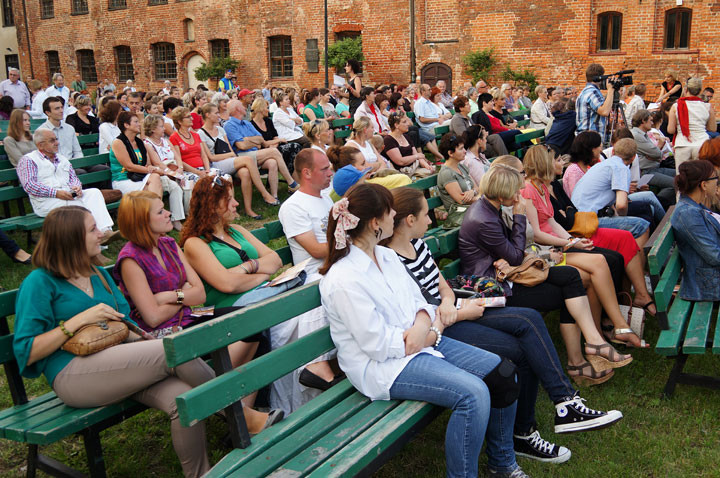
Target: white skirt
column 128, row 186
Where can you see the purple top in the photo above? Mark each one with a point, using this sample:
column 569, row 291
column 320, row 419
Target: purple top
column 159, row 278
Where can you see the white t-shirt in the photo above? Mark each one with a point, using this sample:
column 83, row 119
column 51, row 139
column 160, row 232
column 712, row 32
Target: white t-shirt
column 299, row 214
column 210, row 142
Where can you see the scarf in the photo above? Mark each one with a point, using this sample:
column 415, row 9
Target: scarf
column 131, row 152
column 683, row 116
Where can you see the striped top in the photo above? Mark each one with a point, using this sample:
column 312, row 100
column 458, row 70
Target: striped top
column 424, row 268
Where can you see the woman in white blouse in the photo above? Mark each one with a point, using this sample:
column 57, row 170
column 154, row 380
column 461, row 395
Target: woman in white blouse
column 390, row 343
column 108, row 130
column 360, row 139
column 540, row 111
column 287, row 123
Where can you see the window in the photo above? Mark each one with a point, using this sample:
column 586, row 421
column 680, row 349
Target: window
column 219, row 48
column 157, row 2
column 7, row 13
column 123, row 62
column 117, row 4
column 677, row 28
column 281, row 61
column 86, row 63
column 53, row 63
column 47, row 9
column 79, row 7
column 312, row 55
column 189, row 29
column 165, row 61
column 12, row 61
column 609, row 31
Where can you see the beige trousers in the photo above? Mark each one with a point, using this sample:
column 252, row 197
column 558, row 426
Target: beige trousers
column 137, row 370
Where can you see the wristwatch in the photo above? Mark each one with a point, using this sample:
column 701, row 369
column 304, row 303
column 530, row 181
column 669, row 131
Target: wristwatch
column 180, row 296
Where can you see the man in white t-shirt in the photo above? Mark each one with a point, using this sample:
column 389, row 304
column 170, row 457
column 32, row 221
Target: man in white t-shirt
column 304, row 218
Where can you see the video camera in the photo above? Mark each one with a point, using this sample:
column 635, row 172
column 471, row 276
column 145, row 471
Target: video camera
column 623, row 79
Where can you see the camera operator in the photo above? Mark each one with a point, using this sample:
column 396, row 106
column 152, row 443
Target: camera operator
column 591, row 107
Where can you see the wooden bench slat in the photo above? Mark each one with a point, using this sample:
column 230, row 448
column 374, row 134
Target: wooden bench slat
column 434, row 202
column 363, row 450
column 451, row 270
column 334, row 441
column 424, row 183
column 15, row 425
column 285, row 255
column 274, row 230
column 666, row 285
column 261, row 235
column 305, row 438
column 204, row 338
column 716, row 337
column 299, row 418
column 230, row 387
column 25, row 409
column 669, row 340
column 449, row 241
column 661, row 249
column 698, row 329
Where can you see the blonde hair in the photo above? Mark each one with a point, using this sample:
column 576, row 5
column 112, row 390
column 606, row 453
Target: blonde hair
column 178, row 114
column 626, row 148
column 134, row 218
column 671, row 73
column 83, row 100
column 313, row 129
column 258, row 104
column 497, row 94
column 150, row 123
column 501, row 182
column 359, row 125
column 539, row 163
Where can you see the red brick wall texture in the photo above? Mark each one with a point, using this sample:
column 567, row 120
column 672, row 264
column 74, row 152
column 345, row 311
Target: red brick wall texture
column 556, row 39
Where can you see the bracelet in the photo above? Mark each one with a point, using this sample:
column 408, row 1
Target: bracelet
column 242, row 266
column 256, row 265
column 64, row 330
column 180, row 296
column 437, row 334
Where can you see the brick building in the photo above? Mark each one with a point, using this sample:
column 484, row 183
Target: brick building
column 280, row 40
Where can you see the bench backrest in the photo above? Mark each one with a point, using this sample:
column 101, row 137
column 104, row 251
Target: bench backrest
column 664, row 263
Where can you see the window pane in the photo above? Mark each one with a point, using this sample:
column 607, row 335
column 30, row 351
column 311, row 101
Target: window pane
column 616, row 31
column 603, row 42
column 7, row 13
column 164, row 58
column 123, row 56
column 79, row 6
column 116, row 4
column 219, row 48
column 47, row 9
column 86, row 61
column 53, row 63
column 684, row 30
column 670, row 30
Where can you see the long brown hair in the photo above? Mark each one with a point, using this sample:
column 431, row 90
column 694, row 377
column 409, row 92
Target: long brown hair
column 15, row 126
column 61, row 249
column 209, row 197
column 407, row 201
column 367, row 202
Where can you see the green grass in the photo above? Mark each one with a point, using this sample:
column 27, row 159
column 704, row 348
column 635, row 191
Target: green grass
column 679, row 437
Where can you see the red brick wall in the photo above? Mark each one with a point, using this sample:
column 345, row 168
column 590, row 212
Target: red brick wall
column 555, row 39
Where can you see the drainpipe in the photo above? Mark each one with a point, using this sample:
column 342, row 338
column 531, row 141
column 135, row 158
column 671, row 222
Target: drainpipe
column 413, row 75
column 27, row 37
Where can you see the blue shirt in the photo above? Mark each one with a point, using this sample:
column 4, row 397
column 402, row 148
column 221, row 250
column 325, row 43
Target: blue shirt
column 226, row 84
column 586, row 106
column 425, row 108
column 596, row 189
column 238, row 130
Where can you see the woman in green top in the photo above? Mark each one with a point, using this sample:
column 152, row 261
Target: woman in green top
column 312, row 110
column 131, row 170
column 67, row 292
column 455, row 184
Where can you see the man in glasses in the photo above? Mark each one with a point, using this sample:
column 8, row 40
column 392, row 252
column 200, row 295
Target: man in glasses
column 16, row 89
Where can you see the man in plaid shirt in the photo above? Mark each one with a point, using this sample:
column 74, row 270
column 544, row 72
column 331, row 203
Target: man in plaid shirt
column 591, row 107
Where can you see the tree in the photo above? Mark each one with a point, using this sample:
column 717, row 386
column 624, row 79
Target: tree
column 343, row 50
column 215, row 68
column 478, row 63
column 521, row 78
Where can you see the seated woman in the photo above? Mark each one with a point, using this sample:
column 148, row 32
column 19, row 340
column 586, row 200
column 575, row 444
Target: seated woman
column 516, row 333
column 486, row 241
column 584, row 152
column 390, row 343
column 76, row 294
column 444, row 117
column 199, row 100
column 108, row 129
column 341, row 156
column 562, row 131
column 368, row 109
column 397, row 103
column 187, row 145
column 160, row 284
column 454, row 182
column 362, row 131
column 697, row 231
column 399, row 149
column 461, row 119
column 540, row 172
column 328, row 108
column 312, row 109
column 475, row 140
column 129, row 160
column 319, row 134
column 540, row 113
column 82, row 120
column 264, row 125
column 286, row 122
column 18, row 141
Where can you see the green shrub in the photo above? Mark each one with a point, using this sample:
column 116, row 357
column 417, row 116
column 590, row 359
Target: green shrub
column 343, row 50
column 215, row 68
column 478, row 63
column 521, row 78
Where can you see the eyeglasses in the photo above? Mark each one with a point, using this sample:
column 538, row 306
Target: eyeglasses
column 218, row 179
column 713, row 177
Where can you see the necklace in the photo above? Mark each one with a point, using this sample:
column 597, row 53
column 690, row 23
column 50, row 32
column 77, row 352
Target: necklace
column 189, row 136
column 76, row 282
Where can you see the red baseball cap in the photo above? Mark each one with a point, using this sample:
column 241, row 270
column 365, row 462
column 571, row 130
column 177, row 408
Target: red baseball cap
column 244, row 92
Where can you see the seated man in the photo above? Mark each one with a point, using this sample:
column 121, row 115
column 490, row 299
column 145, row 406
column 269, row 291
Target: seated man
column 50, row 182
column 604, row 190
column 244, row 138
column 650, row 158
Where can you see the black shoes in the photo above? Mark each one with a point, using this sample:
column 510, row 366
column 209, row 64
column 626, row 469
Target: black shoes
column 572, row 415
column 534, row 447
column 310, row 380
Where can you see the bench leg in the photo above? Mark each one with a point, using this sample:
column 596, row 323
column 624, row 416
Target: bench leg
column 239, row 434
column 52, row 467
column 675, row 375
column 93, row 450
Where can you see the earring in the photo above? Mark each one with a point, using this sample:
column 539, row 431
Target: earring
column 378, row 233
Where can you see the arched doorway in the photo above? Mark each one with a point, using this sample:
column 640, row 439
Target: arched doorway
column 434, row 72
column 192, row 63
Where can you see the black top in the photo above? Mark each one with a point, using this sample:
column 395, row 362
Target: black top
column 561, row 202
column 675, row 96
column 391, row 143
column 504, row 116
column 83, row 127
column 270, row 132
column 480, row 117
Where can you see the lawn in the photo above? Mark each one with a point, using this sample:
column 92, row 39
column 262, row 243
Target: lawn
column 658, row 437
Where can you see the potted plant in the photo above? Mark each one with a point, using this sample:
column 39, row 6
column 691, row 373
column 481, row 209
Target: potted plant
column 215, row 69
column 343, row 50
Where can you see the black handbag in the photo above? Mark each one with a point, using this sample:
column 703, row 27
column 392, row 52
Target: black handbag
column 219, row 145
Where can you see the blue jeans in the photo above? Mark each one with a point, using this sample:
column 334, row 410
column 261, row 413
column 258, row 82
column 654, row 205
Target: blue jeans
column 635, row 225
column 519, row 334
column 455, row 382
column 261, row 293
column 649, row 197
column 8, row 245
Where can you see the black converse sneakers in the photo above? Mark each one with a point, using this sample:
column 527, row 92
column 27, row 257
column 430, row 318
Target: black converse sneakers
column 572, row 415
column 533, row 446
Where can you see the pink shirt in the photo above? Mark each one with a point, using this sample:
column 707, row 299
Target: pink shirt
column 571, row 177
column 542, row 203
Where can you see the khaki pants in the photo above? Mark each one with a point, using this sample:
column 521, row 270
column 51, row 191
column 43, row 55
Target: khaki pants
column 685, row 153
column 138, row 370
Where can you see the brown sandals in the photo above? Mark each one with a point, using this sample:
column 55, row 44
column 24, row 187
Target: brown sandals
column 604, row 357
column 587, row 375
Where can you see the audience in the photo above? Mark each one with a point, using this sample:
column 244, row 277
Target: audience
column 264, row 125
column 129, row 160
column 187, row 145
column 15, row 89
column 82, row 120
column 650, row 158
column 68, row 145
column 108, row 128
column 287, row 123
column 494, row 125
column 584, row 152
column 562, row 127
column 636, row 100
column 475, row 139
column 343, row 156
column 312, row 110
column 319, row 134
column 368, row 109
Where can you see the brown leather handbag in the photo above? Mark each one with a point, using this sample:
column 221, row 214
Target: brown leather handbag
column 531, row 272
column 585, row 225
column 98, row 336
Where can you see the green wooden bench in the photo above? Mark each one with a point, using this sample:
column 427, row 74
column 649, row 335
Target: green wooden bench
column 45, row 420
column 519, row 113
column 688, row 323
column 342, row 127
column 89, row 143
column 440, row 131
column 526, row 138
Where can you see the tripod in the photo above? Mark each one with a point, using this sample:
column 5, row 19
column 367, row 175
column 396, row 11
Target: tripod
column 617, row 113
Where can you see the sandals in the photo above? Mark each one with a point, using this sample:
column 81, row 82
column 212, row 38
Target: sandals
column 615, row 340
column 604, row 357
column 646, row 308
column 593, row 377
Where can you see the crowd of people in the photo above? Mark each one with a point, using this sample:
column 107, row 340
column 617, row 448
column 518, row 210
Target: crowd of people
column 399, row 329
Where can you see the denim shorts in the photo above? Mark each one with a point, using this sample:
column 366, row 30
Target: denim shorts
column 635, row 225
